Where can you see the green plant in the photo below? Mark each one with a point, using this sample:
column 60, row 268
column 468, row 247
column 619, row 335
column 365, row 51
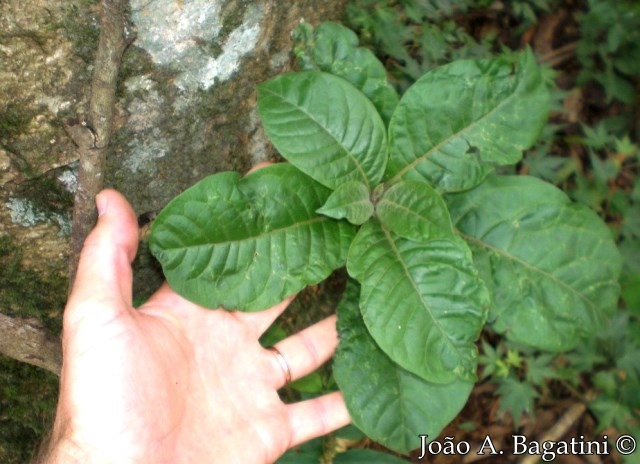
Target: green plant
column 27, row 405
column 603, row 180
column 611, row 358
column 316, row 451
column 608, row 49
column 27, row 393
column 402, row 192
column 416, row 36
column 602, row 372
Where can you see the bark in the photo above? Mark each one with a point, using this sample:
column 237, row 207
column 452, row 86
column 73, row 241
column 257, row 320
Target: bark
column 92, row 137
column 27, row 341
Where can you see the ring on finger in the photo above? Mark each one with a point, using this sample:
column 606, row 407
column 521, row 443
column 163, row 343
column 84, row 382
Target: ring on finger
column 286, row 370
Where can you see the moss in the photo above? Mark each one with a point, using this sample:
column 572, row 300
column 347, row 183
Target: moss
column 135, row 62
column 81, row 28
column 233, row 16
column 212, row 48
column 46, row 194
column 27, row 393
column 40, row 200
column 27, row 406
column 14, row 120
column 27, row 293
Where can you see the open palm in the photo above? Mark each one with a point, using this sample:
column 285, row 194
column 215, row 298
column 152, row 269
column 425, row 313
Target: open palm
column 173, row 382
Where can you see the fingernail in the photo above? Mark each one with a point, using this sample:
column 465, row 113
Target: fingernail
column 101, row 204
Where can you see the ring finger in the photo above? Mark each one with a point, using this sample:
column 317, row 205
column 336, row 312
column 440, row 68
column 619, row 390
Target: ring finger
column 305, row 351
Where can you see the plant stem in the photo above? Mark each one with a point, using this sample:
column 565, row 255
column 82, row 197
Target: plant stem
column 92, row 137
column 559, row 429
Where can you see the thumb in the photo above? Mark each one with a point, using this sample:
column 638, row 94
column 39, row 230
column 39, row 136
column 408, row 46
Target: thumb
column 104, row 273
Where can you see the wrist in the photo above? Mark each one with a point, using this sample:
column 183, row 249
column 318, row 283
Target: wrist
column 62, row 451
column 74, row 450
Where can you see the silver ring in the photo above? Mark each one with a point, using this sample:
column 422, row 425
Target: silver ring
column 283, row 364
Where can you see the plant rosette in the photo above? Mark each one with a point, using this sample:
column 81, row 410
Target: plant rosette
column 401, row 191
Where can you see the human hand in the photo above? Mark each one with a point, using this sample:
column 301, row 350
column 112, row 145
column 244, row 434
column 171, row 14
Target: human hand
column 172, row 382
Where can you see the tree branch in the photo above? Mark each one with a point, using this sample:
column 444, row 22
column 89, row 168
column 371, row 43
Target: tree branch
column 27, row 341
column 92, row 137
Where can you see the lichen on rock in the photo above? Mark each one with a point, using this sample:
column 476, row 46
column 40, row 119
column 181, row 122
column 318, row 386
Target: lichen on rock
column 185, row 36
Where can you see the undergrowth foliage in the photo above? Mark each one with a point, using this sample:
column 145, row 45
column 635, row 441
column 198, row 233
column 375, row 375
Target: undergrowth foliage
column 404, row 193
column 589, row 149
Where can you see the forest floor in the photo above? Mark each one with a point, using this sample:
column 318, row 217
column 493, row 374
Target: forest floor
column 590, row 150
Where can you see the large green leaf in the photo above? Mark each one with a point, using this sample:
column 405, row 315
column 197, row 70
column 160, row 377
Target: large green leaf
column 458, row 121
column 551, row 265
column 390, row 404
column 246, row 243
column 422, row 301
column 333, row 48
column 414, row 210
column 325, row 127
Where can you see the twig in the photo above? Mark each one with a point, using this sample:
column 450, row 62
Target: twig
column 92, row 137
column 556, row 57
column 27, row 341
column 559, row 429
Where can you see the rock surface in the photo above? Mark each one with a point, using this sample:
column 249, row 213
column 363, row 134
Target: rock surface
column 186, row 104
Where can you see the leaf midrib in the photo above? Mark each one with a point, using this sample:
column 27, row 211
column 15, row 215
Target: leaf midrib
column 413, row 213
column 256, row 237
column 417, row 291
column 345, row 150
column 445, row 141
column 525, row 264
